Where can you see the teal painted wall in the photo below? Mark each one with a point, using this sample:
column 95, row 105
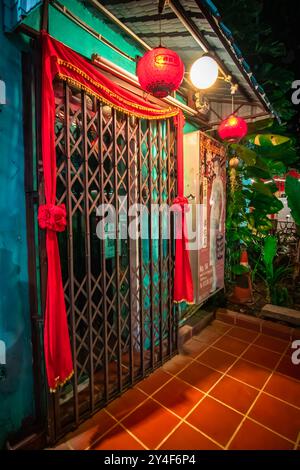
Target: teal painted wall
column 190, row 127
column 15, row 10
column 16, row 379
column 16, row 390
column 80, row 41
column 16, row 382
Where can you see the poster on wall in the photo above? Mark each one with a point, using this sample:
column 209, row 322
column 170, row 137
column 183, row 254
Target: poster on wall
column 212, row 199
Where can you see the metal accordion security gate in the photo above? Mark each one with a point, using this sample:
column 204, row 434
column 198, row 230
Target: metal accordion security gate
column 118, row 289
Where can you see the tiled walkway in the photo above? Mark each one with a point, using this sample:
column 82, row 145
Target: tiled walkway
column 230, row 388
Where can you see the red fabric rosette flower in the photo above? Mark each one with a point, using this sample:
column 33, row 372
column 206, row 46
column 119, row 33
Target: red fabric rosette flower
column 180, row 204
column 52, row 217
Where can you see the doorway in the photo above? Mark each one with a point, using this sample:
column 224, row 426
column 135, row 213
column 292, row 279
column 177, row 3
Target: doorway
column 118, row 290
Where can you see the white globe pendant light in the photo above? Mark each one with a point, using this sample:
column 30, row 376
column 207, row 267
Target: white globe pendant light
column 204, row 72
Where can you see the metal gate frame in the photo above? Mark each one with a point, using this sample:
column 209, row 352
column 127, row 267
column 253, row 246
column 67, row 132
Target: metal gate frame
column 144, row 144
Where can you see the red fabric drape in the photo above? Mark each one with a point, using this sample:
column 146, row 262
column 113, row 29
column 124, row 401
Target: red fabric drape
column 183, row 281
column 70, row 66
column 60, row 61
column 57, row 348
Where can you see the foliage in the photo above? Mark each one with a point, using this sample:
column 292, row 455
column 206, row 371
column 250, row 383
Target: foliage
column 271, row 148
column 292, row 189
column 251, row 200
column 274, row 275
column 266, row 55
column 269, row 253
column 236, row 229
column 239, row 269
column 260, row 196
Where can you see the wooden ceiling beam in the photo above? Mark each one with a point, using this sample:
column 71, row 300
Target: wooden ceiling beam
column 161, row 6
column 156, row 17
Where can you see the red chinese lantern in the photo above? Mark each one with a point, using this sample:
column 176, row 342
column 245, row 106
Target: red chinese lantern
column 160, row 71
column 232, row 129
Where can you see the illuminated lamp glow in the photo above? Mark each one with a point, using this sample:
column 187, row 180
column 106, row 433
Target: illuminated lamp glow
column 204, row 72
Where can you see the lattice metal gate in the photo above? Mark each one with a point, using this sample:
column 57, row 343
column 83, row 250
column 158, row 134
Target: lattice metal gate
column 118, row 291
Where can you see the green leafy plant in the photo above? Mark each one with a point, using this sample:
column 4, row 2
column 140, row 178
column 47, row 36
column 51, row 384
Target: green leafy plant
column 274, row 275
column 269, row 253
column 292, row 190
column 260, row 197
column 264, row 155
column 236, row 224
column 251, row 200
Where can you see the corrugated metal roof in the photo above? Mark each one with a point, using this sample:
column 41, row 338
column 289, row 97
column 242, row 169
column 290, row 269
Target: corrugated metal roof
column 143, row 19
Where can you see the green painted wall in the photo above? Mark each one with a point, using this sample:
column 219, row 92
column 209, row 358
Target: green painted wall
column 16, row 392
column 190, row 127
column 80, row 41
column 16, row 389
column 16, row 379
column 16, row 382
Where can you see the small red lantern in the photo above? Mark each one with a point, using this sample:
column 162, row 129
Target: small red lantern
column 160, row 71
column 232, row 129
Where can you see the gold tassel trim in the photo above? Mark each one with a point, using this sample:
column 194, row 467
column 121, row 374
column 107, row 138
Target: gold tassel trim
column 61, row 383
column 79, row 85
column 167, row 112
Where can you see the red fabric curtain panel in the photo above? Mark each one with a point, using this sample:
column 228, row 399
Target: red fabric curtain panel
column 183, row 280
column 60, row 61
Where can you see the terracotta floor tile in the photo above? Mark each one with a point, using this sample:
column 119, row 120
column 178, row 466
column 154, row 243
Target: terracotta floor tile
column 192, row 348
column 177, row 363
column 286, row 367
column 243, row 334
column 249, row 373
column 285, row 388
column 150, row 423
column 126, row 403
column 63, row 446
column 277, row 416
column 200, row 376
column 187, row 438
column 269, row 342
column 295, row 333
column 154, row 381
column 209, row 334
column 90, row 430
column 252, row 436
column 221, row 326
column 216, row 359
column 178, row 396
column 215, row 420
column 261, row 356
column 234, row 393
column 117, row 439
column 231, row 345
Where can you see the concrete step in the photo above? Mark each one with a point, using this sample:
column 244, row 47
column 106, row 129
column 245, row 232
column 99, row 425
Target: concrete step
column 194, row 325
column 288, row 315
